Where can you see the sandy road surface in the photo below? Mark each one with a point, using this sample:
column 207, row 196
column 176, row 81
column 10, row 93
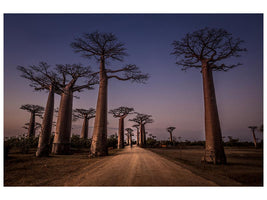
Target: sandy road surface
column 135, row 167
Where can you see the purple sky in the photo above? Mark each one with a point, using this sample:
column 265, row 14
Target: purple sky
column 173, row 97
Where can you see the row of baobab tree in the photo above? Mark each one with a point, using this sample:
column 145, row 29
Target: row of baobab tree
column 65, row 80
column 87, row 114
column 204, row 49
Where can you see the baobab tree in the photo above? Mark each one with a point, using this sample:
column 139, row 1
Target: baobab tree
column 137, row 134
column 206, row 49
column 129, row 135
column 142, row 120
column 57, row 81
column 121, row 113
column 105, row 47
column 67, row 86
column 37, row 126
column 36, row 111
column 253, row 128
column 42, row 78
column 86, row 115
column 170, row 130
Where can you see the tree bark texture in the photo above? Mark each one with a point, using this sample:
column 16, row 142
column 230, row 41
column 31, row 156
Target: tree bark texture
column 31, row 129
column 171, row 137
column 121, row 133
column 61, row 144
column 130, row 139
column 84, row 132
column 44, row 138
column 254, row 138
column 137, row 137
column 143, row 135
column 214, row 150
column 99, row 140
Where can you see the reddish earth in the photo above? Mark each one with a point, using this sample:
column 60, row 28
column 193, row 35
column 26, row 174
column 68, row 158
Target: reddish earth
column 135, row 167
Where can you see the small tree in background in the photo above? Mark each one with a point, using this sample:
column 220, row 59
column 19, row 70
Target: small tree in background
column 206, row 49
column 37, row 126
column 121, row 113
column 129, row 135
column 253, row 128
column 137, row 126
column 170, row 130
column 36, row 111
column 86, row 115
column 142, row 120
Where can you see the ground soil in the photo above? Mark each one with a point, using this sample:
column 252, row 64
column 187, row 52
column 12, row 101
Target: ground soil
column 133, row 167
column 244, row 164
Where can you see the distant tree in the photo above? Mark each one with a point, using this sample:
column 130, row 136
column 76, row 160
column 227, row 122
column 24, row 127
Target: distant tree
column 253, row 128
column 35, row 110
column 86, row 115
column 170, row 130
column 141, row 120
column 129, row 135
column 121, row 113
column 232, row 141
column 206, row 49
column 36, row 126
column 137, row 134
column 104, row 47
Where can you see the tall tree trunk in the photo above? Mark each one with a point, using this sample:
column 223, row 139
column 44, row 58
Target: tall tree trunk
column 31, row 129
column 61, row 144
column 137, row 137
column 254, row 138
column 44, row 138
column 214, row 150
column 99, row 140
column 130, row 139
column 144, row 134
column 84, row 132
column 121, row 133
column 141, row 142
column 170, row 137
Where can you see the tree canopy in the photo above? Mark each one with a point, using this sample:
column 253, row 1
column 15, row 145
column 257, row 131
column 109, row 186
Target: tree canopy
column 211, row 45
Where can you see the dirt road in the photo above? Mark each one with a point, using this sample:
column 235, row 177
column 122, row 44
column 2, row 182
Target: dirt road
column 135, row 167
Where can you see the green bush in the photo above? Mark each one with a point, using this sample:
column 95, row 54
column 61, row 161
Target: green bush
column 77, row 142
column 112, row 141
column 23, row 143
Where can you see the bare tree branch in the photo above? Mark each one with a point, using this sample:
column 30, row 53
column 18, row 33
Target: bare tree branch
column 209, row 45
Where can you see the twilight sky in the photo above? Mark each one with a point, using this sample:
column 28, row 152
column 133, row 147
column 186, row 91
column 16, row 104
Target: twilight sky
column 173, row 97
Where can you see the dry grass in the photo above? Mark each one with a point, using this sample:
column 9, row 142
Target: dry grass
column 244, row 167
column 27, row 170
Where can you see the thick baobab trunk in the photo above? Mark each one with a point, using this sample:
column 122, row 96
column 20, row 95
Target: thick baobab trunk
column 31, row 130
column 254, row 138
column 137, row 137
column 61, row 144
column 141, row 142
column 170, row 137
column 84, row 133
column 44, row 138
column 130, row 139
column 214, row 150
column 99, row 140
column 121, row 134
column 144, row 134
